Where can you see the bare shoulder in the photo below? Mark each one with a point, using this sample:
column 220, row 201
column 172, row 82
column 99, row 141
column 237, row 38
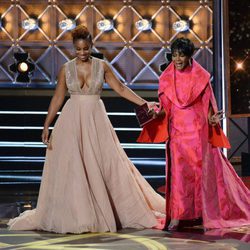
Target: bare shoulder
column 63, row 66
column 106, row 66
column 103, row 63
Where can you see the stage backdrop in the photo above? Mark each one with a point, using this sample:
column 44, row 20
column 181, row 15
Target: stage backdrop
column 135, row 55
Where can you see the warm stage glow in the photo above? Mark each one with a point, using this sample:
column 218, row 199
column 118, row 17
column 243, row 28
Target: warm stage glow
column 27, row 206
column 239, row 65
column 22, row 67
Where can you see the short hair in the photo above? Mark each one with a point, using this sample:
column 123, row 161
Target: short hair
column 183, row 45
column 81, row 32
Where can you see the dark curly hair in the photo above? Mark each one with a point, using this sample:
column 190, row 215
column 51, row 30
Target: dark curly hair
column 183, row 45
column 81, row 32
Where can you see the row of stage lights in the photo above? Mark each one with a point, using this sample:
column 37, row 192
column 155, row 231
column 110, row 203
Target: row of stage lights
column 23, row 67
column 105, row 25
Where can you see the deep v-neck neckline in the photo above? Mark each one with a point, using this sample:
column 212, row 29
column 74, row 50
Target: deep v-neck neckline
column 85, row 86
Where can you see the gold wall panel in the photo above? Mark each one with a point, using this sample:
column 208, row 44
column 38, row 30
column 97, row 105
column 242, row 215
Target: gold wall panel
column 134, row 55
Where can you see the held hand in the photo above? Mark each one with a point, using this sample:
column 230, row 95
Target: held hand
column 216, row 118
column 153, row 108
column 152, row 105
column 45, row 136
column 153, row 113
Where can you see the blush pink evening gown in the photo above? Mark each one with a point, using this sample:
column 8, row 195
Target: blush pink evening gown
column 88, row 182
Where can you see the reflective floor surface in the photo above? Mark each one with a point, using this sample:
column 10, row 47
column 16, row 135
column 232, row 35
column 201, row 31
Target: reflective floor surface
column 189, row 238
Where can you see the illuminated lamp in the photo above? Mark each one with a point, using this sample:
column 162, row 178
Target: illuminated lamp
column 143, row 25
column 105, row 25
column 23, row 67
column 30, row 24
column 67, row 24
column 239, row 65
column 181, row 26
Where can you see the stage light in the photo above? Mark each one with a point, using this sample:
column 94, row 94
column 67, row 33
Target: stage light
column 105, row 25
column 143, row 25
column 67, row 24
column 181, row 26
column 27, row 206
column 239, row 65
column 30, row 24
column 23, row 67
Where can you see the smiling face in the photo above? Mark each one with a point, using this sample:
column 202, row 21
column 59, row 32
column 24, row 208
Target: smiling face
column 83, row 49
column 180, row 60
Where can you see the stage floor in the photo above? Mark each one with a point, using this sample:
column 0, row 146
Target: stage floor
column 130, row 239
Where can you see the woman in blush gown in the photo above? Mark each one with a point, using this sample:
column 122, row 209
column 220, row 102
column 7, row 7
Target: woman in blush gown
column 201, row 182
column 88, row 182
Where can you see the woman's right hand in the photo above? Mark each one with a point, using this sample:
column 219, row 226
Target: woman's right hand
column 216, row 118
column 45, row 136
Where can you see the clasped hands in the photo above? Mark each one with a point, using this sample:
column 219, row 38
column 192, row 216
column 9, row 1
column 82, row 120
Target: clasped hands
column 153, row 109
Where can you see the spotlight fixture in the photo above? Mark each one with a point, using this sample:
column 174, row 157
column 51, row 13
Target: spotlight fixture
column 30, row 24
column 105, row 25
column 143, row 25
column 67, row 24
column 23, row 67
column 181, row 26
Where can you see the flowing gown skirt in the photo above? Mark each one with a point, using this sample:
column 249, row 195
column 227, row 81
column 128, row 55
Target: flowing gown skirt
column 88, row 182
